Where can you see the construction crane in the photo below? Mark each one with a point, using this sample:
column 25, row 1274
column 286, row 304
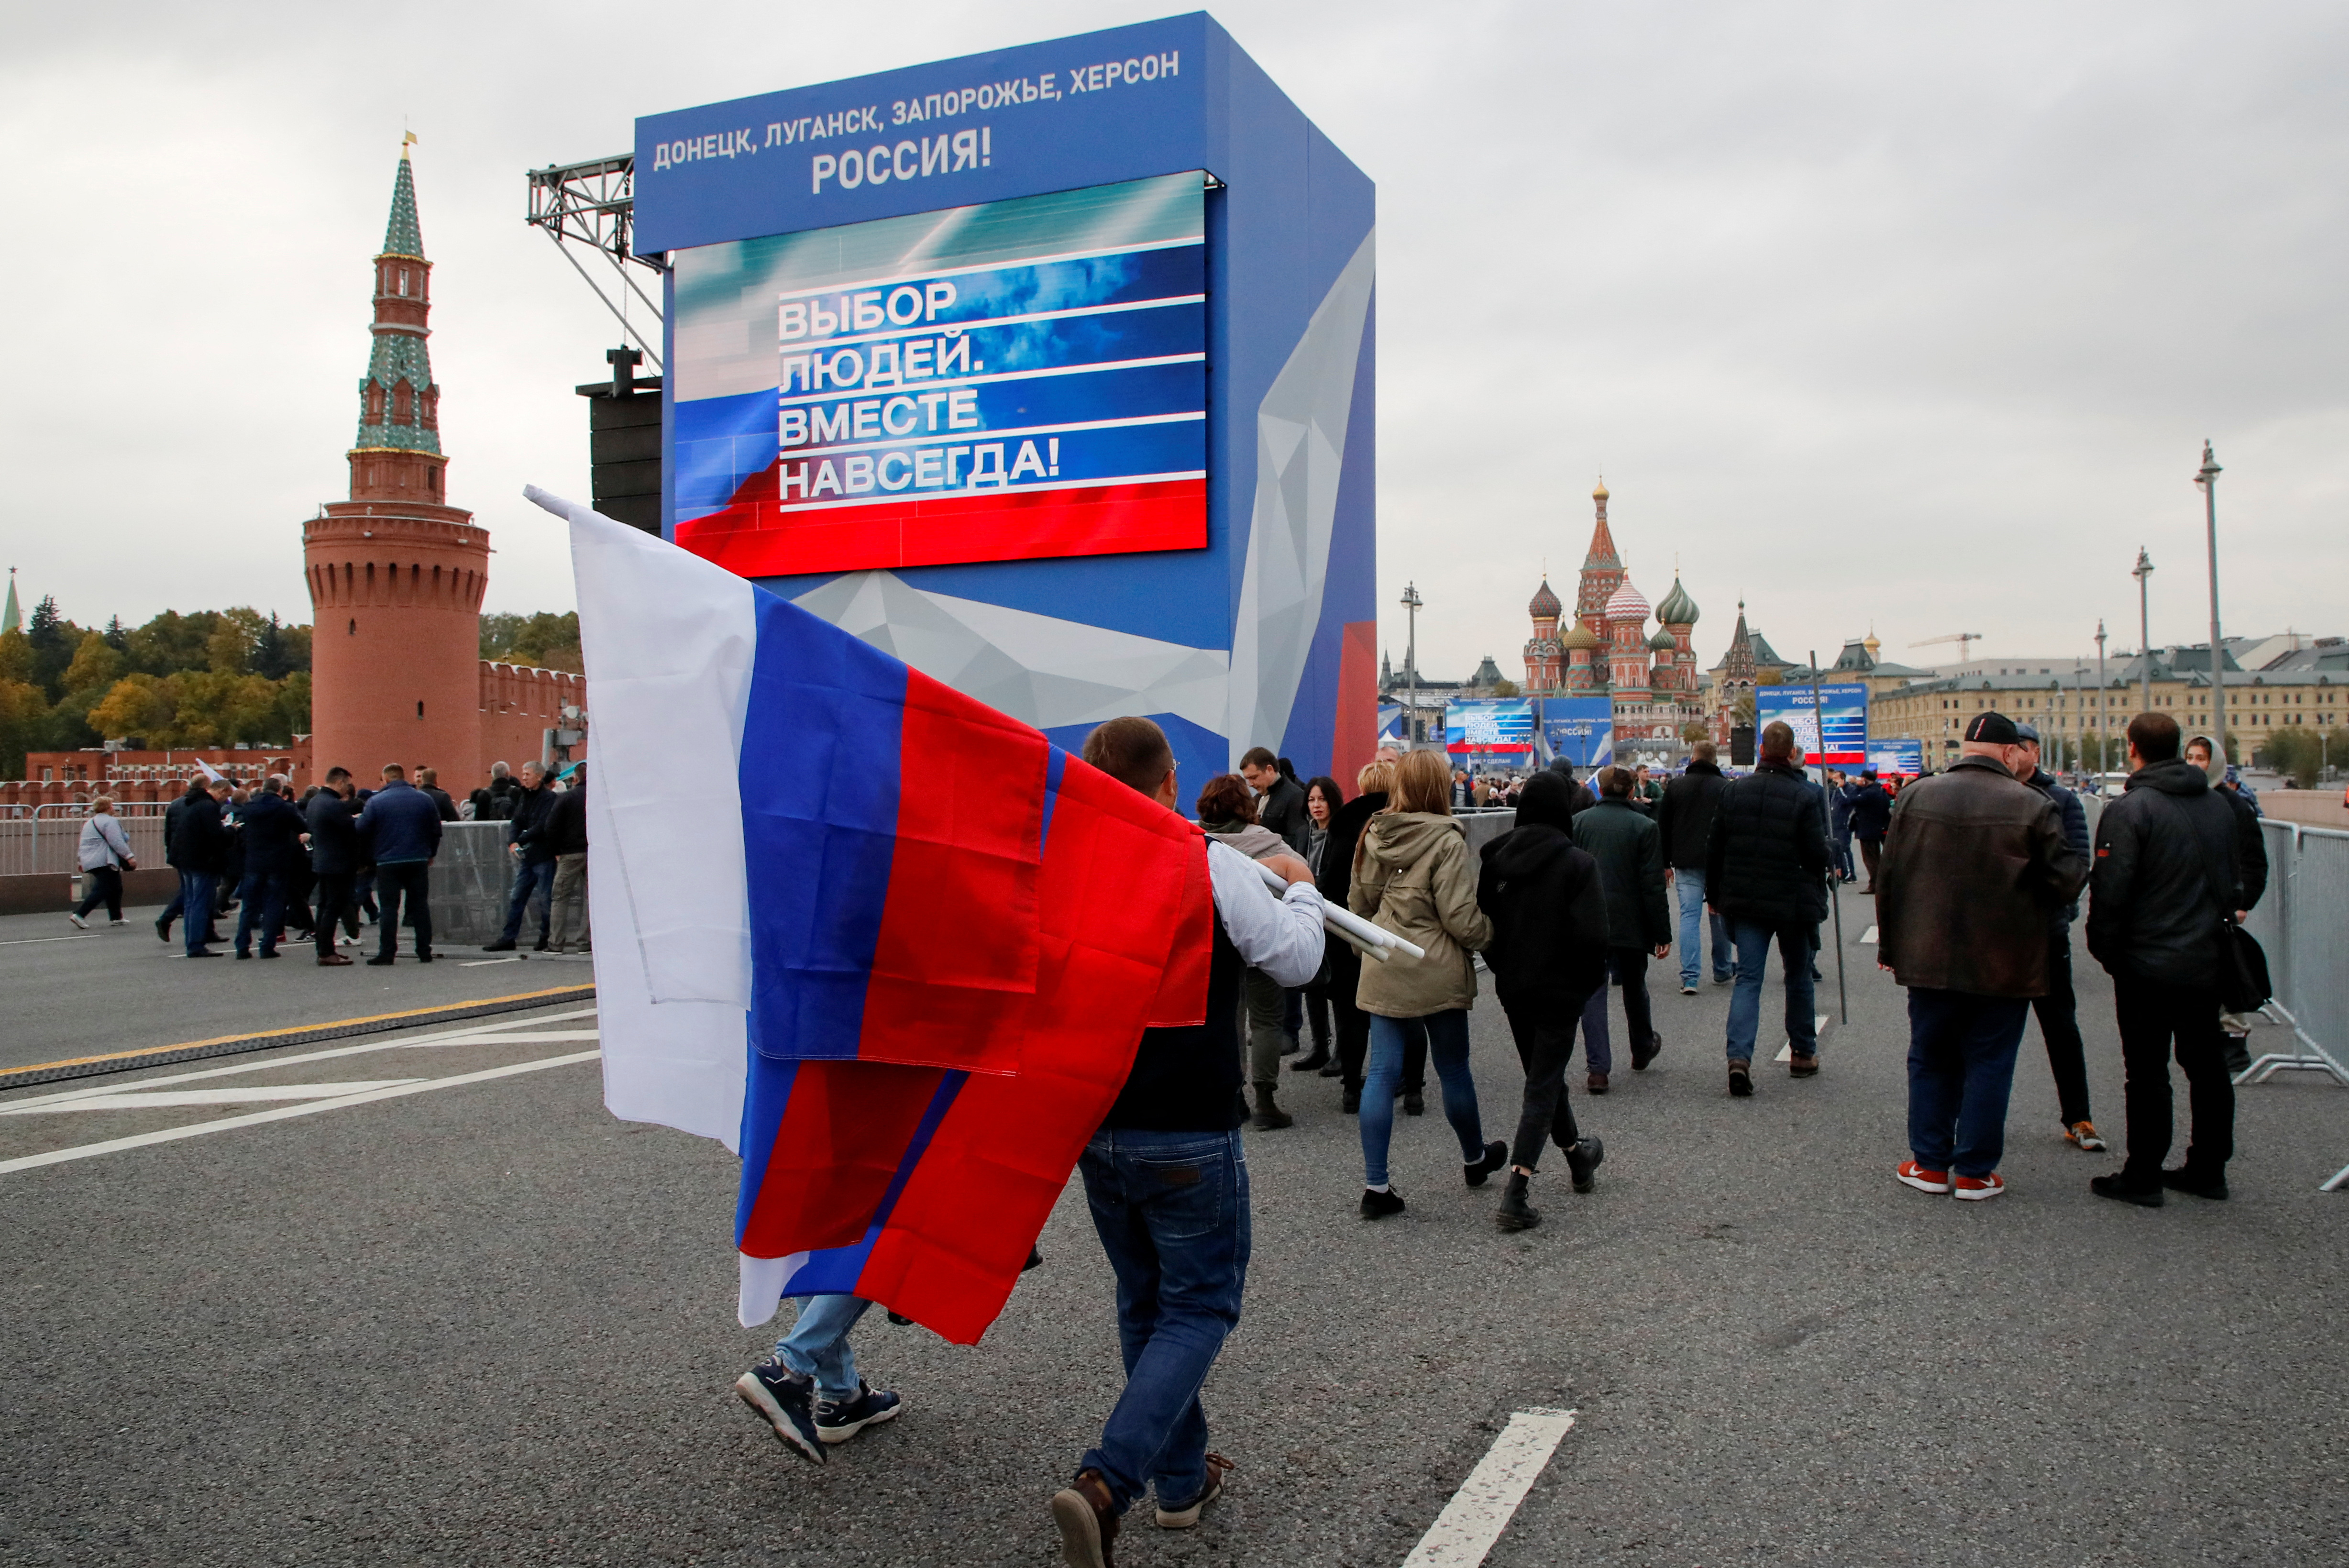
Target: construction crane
column 1965, row 639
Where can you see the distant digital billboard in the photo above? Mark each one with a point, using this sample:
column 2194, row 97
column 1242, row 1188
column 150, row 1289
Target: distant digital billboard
column 1500, row 728
column 1014, row 380
column 1841, row 711
column 1579, row 729
column 1905, row 758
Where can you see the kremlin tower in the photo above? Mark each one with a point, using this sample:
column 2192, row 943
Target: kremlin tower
column 396, row 574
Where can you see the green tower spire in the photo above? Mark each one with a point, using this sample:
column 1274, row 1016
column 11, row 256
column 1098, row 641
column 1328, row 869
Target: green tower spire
column 399, row 404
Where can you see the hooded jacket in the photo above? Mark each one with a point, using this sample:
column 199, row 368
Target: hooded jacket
column 2167, row 876
column 1766, row 862
column 1631, row 855
column 1548, row 908
column 1975, row 866
column 1413, row 876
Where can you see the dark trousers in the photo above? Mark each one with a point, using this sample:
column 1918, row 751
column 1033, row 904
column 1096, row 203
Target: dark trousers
column 1353, row 1024
column 1630, row 969
column 1960, row 1071
column 197, row 890
column 2157, row 1020
column 1842, row 849
column 105, row 884
column 2059, row 1025
column 1544, row 1046
column 335, row 904
column 264, row 898
column 532, row 884
column 412, row 880
column 1871, row 850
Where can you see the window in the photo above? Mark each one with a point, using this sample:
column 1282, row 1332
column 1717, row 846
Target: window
column 355, row 628
column 419, row 710
column 403, row 282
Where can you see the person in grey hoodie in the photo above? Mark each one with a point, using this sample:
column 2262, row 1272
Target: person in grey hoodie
column 1414, row 876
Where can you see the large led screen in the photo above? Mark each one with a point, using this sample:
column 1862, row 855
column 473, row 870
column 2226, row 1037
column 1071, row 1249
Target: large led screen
column 1840, row 710
column 1007, row 381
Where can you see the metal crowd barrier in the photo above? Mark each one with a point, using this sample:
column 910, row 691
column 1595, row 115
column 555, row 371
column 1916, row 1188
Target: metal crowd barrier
column 2300, row 924
column 44, row 840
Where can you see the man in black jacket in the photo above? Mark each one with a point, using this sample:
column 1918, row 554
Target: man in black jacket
column 2058, row 1010
column 172, row 815
column 272, row 829
column 2166, row 878
column 1281, row 806
column 1685, row 820
column 1344, row 963
column 1548, row 958
column 1765, row 874
column 199, row 846
column 335, row 859
column 566, row 827
column 1871, row 818
column 1631, row 856
column 532, row 852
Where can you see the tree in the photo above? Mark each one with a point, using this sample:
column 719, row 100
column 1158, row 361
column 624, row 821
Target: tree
column 22, row 709
column 117, row 636
column 95, row 664
column 1505, row 687
column 1692, row 731
column 1769, row 675
column 172, row 641
column 15, row 656
column 130, row 708
column 234, row 641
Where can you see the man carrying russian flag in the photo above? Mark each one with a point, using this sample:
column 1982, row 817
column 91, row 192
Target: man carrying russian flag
column 913, row 961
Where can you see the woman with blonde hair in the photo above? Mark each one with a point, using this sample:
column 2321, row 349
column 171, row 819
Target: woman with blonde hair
column 1412, row 875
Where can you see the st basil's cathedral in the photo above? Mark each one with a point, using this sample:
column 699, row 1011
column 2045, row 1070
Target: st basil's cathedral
column 1606, row 650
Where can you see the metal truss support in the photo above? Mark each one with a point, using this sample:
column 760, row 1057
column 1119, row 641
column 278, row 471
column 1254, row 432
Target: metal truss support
column 593, row 205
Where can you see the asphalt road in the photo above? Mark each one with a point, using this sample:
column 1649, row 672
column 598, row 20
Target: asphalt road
column 85, row 994
column 490, row 1325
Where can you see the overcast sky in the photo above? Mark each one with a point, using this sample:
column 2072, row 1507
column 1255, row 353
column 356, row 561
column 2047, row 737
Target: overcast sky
column 1906, row 316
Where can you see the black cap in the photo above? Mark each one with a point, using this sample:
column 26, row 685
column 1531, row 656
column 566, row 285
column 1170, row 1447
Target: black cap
column 2028, row 731
column 1993, row 729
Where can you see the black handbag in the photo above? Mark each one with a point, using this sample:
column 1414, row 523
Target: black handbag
column 2243, row 983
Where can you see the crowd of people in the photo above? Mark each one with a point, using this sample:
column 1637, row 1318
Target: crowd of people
column 312, row 866
column 1977, row 873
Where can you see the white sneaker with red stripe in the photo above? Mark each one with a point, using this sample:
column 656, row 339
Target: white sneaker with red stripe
column 1912, row 1174
column 1977, row 1188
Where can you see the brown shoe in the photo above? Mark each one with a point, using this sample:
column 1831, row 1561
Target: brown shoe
column 1596, row 1083
column 1088, row 1520
column 333, row 960
column 1802, row 1067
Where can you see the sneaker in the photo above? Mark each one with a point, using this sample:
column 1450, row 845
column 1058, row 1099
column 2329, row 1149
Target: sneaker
column 1911, row 1174
column 1583, row 1161
column 80, row 924
column 1687, row 990
column 1496, row 1154
column 2117, row 1188
column 1414, row 1104
column 787, row 1399
column 1381, row 1205
column 837, row 1420
column 1184, row 1517
column 1595, row 1083
column 1088, row 1520
column 1975, row 1189
column 2083, row 1134
column 1741, row 1078
column 1641, row 1058
column 2185, row 1181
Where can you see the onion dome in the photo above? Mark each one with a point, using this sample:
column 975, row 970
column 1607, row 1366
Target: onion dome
column 1627, row 604
column 1599, row 494
column 1580, row 636
column 1677, row 609
column 1545, row 605
column 1662, row 642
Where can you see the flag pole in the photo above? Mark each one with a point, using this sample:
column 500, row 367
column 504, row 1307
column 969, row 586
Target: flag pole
column 1826, row 814
column 1375, row 942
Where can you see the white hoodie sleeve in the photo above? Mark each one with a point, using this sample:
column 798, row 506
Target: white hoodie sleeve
column 1280, row 936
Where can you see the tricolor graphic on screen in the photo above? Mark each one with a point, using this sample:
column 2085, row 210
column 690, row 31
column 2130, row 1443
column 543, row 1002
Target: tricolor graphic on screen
column 1008, row 381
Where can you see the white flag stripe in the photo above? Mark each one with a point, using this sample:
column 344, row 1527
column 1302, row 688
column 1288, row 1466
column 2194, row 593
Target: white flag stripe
column 1464, row 1532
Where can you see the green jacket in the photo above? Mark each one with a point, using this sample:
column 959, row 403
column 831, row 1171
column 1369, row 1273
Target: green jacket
column 1414, row 876
column 1629, row 850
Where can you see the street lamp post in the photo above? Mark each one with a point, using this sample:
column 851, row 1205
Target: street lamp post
column 2208, row 478
column 2144, row 621
column 1411, row 603
column 2104, row 710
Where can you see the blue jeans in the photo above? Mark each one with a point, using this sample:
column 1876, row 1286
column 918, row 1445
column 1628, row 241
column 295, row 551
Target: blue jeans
column 1961, row 1068
column 1753, row 943
column 1693, row 916
column 532, row 885
column 263, row 897
column 1447, row 1033
column 1842, row 847
column 1171, row 1211
column 196, row 892
column 817, row 1345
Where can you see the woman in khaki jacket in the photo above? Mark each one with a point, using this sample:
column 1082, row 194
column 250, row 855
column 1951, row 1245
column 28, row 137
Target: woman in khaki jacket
column 1414, row 876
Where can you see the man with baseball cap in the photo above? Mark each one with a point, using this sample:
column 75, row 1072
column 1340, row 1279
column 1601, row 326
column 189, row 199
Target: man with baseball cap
column 1975, row 865
column 2058, row 1010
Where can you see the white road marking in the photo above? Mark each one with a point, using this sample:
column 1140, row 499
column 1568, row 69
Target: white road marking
column 541, row 1036
column 479, row 1034
column 1786, row 1052
column 484, row 963
column 285, row 1113
column 76, row 937
column 136, row 1100
column 1464, row 1532
column 1868, row 937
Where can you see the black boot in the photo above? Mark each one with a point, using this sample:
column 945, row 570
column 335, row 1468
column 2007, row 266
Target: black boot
column 1314, row 1061
column 1583, row 1159
column 1516, row 1213
column 1270, row 1117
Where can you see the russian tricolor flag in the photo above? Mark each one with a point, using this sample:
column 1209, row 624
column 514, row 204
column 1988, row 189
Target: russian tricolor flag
column 894, row 947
